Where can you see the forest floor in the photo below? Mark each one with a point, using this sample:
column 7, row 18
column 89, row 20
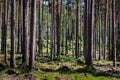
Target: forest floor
column 57, row 70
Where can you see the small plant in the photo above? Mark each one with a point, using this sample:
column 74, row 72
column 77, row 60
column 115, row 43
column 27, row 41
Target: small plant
column 80, row 62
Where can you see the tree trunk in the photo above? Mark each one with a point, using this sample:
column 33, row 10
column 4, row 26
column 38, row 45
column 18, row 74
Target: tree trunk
column 19, row 27
column 113, row 34
column 4, row 30
column 77, row 29
column 12, row 56
column 25, row 32
column 40, row 26
column 87, row 32
column 58, row 22
column 105, row 32
column 32, row 36
column 53, row 30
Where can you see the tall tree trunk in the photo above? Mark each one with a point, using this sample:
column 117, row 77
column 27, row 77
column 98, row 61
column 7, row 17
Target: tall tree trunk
column 5, row 27
column 4, row 30
column 1, row 16
column 58, row 22
column 87, row 32
column 12, row 56
column 53, row 29
column 19, row 27
column 113, row 34
column 95, row 30
column 105, row 32
column 110, row 30
column 77, row 29
column 1, row 22
column 32, row 35
column 25, row 32
column 40, row 26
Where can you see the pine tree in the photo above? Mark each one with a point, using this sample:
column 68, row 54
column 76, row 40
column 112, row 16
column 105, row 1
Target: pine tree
column 12, row 56
column 25, row 32
column 32, row 35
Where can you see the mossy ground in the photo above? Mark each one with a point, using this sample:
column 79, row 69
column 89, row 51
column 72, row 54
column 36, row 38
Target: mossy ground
column 60, row 70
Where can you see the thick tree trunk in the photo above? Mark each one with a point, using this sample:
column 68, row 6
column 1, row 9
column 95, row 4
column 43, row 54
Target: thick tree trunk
column 53, row 30
column 109, row 42
column 113, row 34
column 110, row 32
column 19, row 27
column 77, row 29
column 105, row 32
column 12, row 56
column 58, row 22
column 4, row 30
column 87, row 32
column 40, row 26
column 25, row 32
column 32, row 36
column 95, row 30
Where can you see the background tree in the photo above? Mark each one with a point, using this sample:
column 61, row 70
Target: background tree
column 105, row 31
column 4, row 30
column 77, row 29
column 19, row 27
column 40, row 26
column 53, row 29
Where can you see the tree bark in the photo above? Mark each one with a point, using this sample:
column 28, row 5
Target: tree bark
column 77, row 29
column 58, row 22
column 40, row 26
column 25, row 32
column 87, row 32
column 32, row 36
column 113, row 34
column 53, row 30
column 19, row 27
column 105, row 31
column 4, row 26
column 12, row 56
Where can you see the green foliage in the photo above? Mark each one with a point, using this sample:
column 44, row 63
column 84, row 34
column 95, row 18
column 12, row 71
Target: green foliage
column 45, row 60
column 8, row 45
column 66, row 59
column 64, row 69
column 47, row 69
column 79, row 62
